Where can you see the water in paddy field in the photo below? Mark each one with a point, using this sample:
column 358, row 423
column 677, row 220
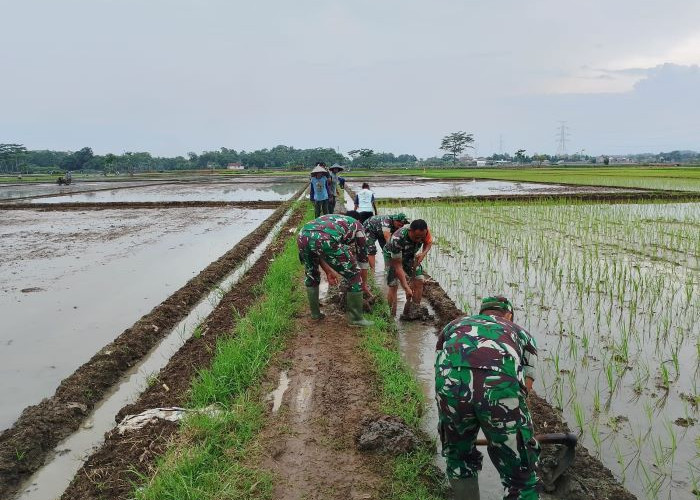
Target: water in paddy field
column 13, row 191
column 73, row 281
column 432, row 189
column 267, row 191
column 612, row 295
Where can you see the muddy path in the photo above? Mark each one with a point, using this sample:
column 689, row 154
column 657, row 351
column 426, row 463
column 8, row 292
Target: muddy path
column 112, row 205
column 588, row 478
column 309, row 440
column 25, row 446
column 110, row 471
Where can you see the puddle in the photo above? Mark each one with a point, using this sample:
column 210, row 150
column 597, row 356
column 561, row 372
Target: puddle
column 263, row 191
column 423, row 189
column 99, row 272
column 277, row 395
column 51, row 480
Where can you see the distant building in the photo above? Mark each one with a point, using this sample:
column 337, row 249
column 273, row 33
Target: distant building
column 235, row 166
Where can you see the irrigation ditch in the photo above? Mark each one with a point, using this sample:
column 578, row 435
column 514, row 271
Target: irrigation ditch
column 112, row 205
column 25, row 446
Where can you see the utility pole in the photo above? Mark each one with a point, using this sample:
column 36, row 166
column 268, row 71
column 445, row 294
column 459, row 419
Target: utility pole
column 562, row 137
column 500, row 144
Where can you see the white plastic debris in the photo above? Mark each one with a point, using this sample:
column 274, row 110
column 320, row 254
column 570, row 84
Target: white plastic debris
column 171, row 414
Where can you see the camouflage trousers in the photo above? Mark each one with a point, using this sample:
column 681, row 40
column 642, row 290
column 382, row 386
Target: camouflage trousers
column 407, row 264
column 372, row 240
column 339, row 257
column 473, row 399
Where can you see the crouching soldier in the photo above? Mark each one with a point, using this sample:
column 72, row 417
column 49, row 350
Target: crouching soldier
column 332, row 242
column 483, row 372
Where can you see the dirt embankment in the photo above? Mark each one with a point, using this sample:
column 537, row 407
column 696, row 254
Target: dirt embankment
column 588, row 478
column 24, row 446
column 109, row 472
column 119, row 205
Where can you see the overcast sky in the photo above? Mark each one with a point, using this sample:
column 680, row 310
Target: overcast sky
column 172, row 76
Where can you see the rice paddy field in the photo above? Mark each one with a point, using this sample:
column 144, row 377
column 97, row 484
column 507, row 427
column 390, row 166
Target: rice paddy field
column 611, row 292
column 671, row 178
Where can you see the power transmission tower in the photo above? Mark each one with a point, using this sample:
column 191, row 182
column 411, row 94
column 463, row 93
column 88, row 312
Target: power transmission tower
column 500, row 144
column 562, row 138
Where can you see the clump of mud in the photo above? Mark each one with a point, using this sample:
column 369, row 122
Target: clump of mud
column 337, row 298
column 386, row 434
column 415, row 312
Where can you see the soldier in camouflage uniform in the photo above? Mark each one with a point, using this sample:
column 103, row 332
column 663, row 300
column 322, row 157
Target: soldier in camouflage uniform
column 402, row 261
column 483, row 373
column 379, row 228
column 332, row 241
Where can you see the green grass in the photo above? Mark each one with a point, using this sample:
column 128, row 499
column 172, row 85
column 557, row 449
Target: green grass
column 413, row 476
column 214, row 457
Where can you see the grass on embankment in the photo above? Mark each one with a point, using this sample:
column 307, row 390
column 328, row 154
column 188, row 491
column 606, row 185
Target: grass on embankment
column 413, row 476
column 210, row 458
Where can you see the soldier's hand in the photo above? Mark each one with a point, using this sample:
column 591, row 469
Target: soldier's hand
column 409, row 293
column 332, row 279
column 419, row 258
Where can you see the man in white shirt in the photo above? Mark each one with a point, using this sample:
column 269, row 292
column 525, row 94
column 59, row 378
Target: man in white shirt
column 364, row 203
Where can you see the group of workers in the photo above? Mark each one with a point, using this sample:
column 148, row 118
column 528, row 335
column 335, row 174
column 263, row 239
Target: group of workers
column 484, row 366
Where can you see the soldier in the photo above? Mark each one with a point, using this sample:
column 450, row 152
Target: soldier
column 484, row 370
column 332, row 241
column 403, row 261
column 379, row 229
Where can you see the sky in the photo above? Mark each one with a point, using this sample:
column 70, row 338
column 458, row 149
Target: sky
column 173, row 76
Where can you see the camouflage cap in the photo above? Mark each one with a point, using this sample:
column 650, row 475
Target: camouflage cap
column 496, row 303
column 401, row 217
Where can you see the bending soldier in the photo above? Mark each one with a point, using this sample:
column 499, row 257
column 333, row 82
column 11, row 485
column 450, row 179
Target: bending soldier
column 483, row 372
column 333, row 241
column 378, row 230
column 403, row 261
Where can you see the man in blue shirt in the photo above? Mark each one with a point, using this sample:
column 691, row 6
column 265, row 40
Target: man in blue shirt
column 320, row 190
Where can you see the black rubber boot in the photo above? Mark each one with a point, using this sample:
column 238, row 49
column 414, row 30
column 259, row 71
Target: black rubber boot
column 354, row 308
column 314, row 304
column 465, row 489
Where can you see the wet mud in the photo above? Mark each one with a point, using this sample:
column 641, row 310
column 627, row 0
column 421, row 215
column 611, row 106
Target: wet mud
column 111, row 470
column 587, row 478
column 139, row 204
column 309, row 444
column 25, row 446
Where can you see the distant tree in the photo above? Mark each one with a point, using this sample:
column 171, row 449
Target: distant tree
column 10, row 155
column 364, row 157
column 606, row 160
column 455, row 143
column 77, row 160
column 520, row 155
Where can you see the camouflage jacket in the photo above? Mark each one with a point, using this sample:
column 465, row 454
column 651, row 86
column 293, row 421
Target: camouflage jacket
column 400, row 245
column 488, row 343
column 376, row 225
column 339, row 229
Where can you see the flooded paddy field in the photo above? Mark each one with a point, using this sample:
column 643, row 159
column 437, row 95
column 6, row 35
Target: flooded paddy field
column 435, row 188
column 72, row 281
column 210, row 191
column 610, row 292
column 17, row 191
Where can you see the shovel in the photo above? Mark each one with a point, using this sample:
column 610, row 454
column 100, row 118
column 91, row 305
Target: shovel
column 563, row 460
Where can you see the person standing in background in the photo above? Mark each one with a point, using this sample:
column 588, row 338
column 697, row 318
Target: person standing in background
column 335, row 187
column 319, row 190
column 364, row 203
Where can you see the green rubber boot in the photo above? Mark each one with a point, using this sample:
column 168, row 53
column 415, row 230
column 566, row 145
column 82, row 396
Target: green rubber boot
column 314, row 304
column 465, row 488
column 354, row 308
